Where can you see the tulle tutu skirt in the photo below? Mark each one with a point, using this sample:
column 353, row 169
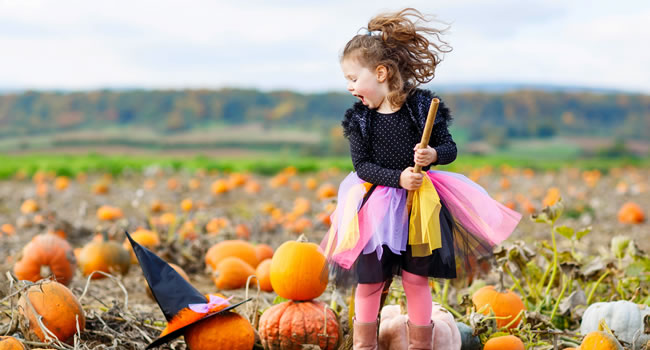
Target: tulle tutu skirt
column 453, row 225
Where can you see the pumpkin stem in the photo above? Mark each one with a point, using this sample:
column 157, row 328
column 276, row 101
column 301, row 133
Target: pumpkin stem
column 302, row 238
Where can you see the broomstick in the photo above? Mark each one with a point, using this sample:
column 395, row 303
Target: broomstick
column 426, row 134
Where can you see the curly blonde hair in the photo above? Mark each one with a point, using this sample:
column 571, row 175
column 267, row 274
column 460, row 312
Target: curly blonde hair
column 398, row 41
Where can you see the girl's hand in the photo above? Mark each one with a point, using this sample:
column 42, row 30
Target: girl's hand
column 424, row 156
column 409, row 180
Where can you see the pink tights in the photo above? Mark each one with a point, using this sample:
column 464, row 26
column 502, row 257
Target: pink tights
column 418, row 299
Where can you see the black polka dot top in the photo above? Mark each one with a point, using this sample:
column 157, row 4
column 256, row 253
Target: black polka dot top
column 390, row 149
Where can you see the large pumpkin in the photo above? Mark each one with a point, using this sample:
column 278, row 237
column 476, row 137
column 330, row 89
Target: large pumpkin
column 57, row 305
column 45, row 255
column 226, row 331
column 392, row 329
column 298, row 270
column 625, row 318
column 235, row 247
column 10, row 343
column 601, row 341
column 291, row 324
column 505, row 304
column 103, row 255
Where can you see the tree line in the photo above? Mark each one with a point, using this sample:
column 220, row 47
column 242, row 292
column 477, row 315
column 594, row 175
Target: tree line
column 516, row 114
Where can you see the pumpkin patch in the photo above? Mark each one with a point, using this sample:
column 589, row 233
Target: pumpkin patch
column 563, row 271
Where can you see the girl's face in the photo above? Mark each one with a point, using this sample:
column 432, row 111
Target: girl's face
column 368, row 86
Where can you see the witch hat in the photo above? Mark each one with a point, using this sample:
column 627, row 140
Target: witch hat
column 179, row 301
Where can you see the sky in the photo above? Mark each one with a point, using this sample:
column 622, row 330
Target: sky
column 270, row 45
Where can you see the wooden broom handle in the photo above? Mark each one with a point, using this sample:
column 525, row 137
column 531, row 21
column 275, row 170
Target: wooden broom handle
column 426, row 134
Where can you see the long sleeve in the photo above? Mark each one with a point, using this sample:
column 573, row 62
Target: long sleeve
column 366, row 169
column 443, row 143
column 441, row 139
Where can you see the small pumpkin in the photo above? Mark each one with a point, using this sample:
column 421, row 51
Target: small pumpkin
column 326, row 191
column 45, row 255
column 599, row 340
column 631, row 213
column 11, row 343
column 468, row 340
column 298, row 270
column 506, row 342
column 108, row 213
column 225, row 331
column 505, row 304
column 58, row 307
column 291, row 324
column 103, row 255
column 232, row 273
column 392, row 329
column 625, row 318
column 29, row 206
column 236, row 247
column 262, row 272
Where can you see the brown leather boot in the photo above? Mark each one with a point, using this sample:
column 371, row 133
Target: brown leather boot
column 420, row 337
column 364, row 335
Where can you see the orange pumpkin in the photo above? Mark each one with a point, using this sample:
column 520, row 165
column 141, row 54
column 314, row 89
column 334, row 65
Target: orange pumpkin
column 290, row 324
column 262, row 272
column 108, row 213
column 506, row 342
column 232, row 273
column 61, row 183
column 225, row 331
column 243, row 231
column 8, row 229
column 631, row 213
column 29, row 206
column 220, row 186
column 11, row 343
column 237, row 248
column 187, row 204
column 45, row 255
column 326, row 191
column 263, row 252
column 298, row 270
column 103, row 255
column 601, row 341
column 145, row 238
column 504, row 304
column 58, row 307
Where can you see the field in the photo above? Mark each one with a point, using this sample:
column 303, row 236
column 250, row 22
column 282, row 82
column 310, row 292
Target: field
column 193, row 203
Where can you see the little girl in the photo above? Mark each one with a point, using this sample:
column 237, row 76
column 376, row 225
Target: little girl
column 453, row 220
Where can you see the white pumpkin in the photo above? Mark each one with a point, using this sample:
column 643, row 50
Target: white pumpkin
column 392, row 329
column 625, row 318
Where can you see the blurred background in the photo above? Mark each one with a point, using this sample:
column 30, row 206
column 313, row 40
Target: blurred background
column 531, row 83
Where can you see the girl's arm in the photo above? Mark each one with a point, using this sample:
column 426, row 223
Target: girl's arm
column 443, row 143
column 366, row 169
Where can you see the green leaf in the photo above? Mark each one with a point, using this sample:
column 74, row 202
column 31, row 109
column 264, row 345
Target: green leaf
column 635, row 269
column 583, row 232
column 279, row 300
column 565, row 231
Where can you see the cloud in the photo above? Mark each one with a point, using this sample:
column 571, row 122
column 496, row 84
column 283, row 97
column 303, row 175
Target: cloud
column 295, row 44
